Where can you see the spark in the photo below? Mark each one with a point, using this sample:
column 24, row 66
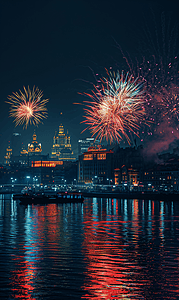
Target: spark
column 117, row 107
column 27, row 107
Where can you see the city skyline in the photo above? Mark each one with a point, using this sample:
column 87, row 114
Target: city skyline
column 61, row 48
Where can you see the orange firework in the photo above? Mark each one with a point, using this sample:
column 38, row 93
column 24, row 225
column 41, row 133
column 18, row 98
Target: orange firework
column 117, row 108
column 27, row 107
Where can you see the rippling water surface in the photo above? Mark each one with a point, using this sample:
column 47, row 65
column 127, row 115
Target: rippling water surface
column 101, row 249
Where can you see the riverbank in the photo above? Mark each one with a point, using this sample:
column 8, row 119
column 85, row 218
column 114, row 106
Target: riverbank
column 133, row 195
column 145, row 195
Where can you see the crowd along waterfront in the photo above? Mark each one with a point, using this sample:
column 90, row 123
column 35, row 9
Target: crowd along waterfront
column 99, row 249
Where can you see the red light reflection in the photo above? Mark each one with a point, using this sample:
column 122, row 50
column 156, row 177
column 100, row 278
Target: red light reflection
column 110, row 268
column 23, row 279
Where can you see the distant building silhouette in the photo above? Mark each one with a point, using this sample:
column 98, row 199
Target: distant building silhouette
column 16, row 143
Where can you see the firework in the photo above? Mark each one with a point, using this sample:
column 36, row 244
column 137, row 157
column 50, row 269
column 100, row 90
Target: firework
column 159, row 69
column 27, row 107
column 117, row 108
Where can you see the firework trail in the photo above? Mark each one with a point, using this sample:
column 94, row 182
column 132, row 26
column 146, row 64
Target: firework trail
column 162, row 91
column 27, row 107
column 160, row 70
column 117, row 107
column 158, row 67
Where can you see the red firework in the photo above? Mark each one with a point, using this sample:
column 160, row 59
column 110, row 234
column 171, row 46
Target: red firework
column 117, row 108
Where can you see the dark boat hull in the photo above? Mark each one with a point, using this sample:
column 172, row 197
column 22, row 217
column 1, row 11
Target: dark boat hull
column 49, row 199
column 134, row 195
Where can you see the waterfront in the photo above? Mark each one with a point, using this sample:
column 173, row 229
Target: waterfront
column 101, row 249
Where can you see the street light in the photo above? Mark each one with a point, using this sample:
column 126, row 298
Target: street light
column 27, row 177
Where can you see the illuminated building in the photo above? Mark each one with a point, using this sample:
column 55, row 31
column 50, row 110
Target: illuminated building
column 34, row 148
column 23, row 152
column 162, row 178
column 8, row 155
column 96, row 166
column 34, row 152
column 56, row 172
column 128, row 166
column 46, row 163
column 126, row 176
column 84, row 144
column 61, row 148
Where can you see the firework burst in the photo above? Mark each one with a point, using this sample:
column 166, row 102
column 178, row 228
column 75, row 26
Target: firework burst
column 117, row 108
column 27, row 107
column 159, row 68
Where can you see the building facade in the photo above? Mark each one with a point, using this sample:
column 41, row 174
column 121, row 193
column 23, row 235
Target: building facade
column 162, row 178
column 61, row 148
column 96, row 166
column 84, row 144
column 8, row 154
column 34, row 148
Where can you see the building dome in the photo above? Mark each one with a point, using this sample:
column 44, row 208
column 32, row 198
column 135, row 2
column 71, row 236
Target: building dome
column 61, row 148
column 34, row 147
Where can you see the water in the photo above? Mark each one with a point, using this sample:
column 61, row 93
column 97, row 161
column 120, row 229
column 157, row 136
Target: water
column 101, row 249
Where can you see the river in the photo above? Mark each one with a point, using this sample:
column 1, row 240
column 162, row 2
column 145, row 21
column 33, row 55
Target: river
column 101, row 249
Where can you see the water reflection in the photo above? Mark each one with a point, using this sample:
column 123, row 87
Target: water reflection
column 124, row 250
column 102, row 249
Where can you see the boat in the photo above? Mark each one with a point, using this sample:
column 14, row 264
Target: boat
column 61, row 197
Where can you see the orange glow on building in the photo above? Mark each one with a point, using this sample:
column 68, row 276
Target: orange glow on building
column 88, row 157
column 46, row 164
column 93, row 153
column 117, row 177
column 101, row 156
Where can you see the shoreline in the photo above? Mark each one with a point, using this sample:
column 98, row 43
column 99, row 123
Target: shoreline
column 117, row 195
column 133, row 195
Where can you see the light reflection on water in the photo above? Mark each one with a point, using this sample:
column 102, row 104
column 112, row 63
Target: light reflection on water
column 102, row 249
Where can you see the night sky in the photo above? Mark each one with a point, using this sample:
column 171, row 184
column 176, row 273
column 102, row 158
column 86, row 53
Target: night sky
column 59, row 46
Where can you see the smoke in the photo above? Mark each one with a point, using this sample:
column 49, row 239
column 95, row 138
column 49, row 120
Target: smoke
column 164, row 139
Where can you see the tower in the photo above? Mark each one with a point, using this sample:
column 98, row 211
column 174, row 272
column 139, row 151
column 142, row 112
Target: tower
column 34, row 148
column 61, row 148
column 8, row 154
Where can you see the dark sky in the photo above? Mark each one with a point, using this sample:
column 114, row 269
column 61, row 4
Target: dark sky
column 57, row 46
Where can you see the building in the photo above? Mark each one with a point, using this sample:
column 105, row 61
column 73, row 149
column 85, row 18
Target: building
column 162, row 178
column 127, row 178
column 129, row 156
column 84, row 144
column 61, row 148
column 54, row 172
column 34, row 148
column 96, row 166
column 8, row 154
column 34, row 152
column 16, row 143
